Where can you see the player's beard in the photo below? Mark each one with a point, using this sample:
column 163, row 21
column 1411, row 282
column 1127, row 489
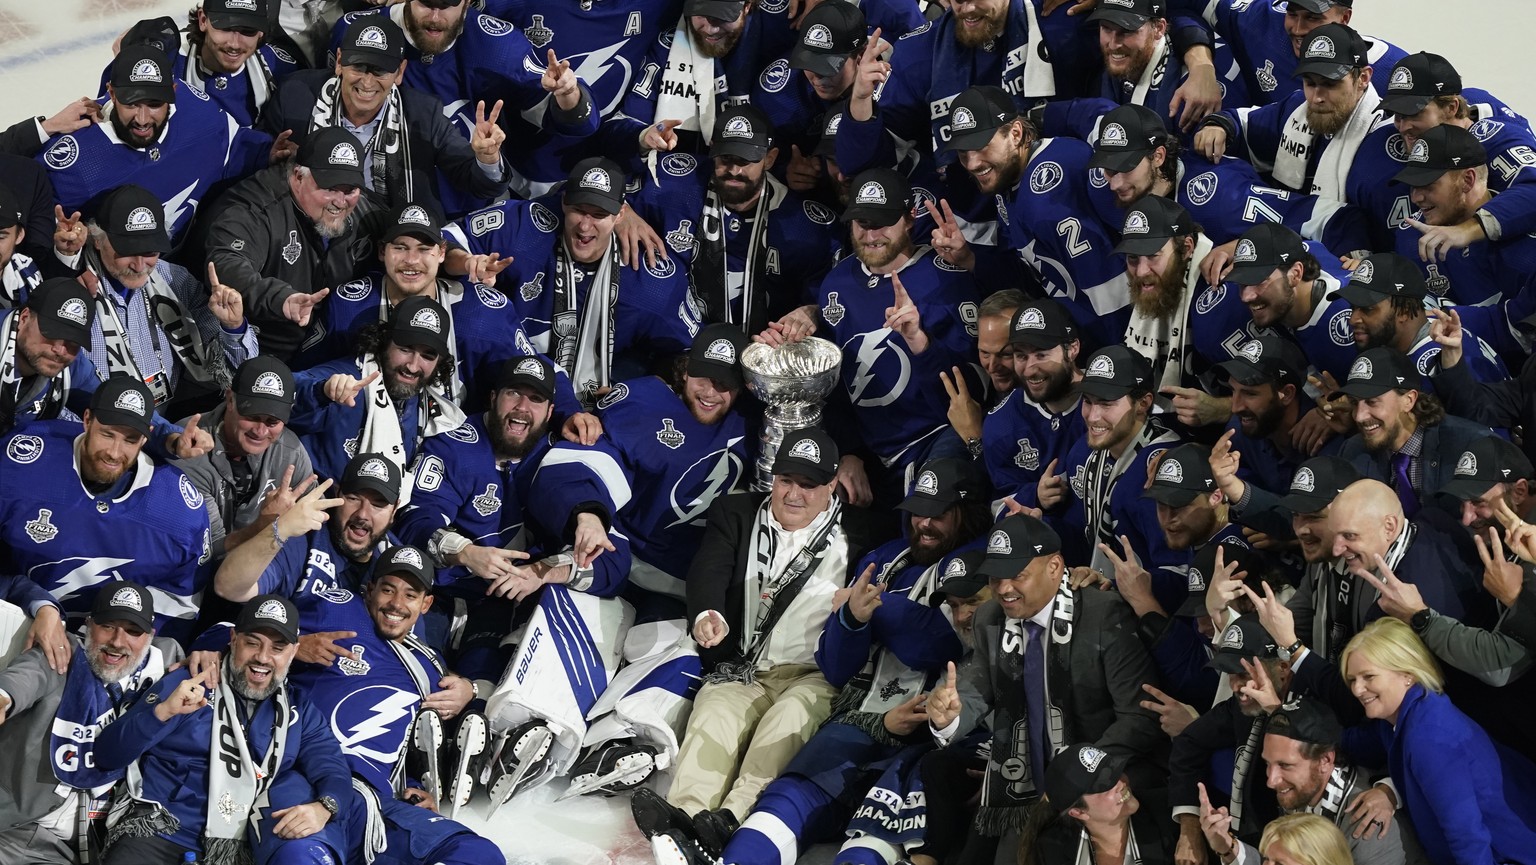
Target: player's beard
column 1054, row 385
column 400, row 390
column 332, row 224
column 989, row 31
column 356, row 552
column 504, row 445
column 430, row 41
column 736, row 196
column 1162, row 302
column 875, row 257
column 1326, row 123
column 256, row 693
column 1264, row 423
column 1136, row 65
column 116, row 672
column 1384, row 334
column 927, row 554
column 716, row 50
column 128, row 137
column 98, row 474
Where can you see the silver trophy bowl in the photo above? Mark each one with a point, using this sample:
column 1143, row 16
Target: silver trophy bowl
column 793, row 381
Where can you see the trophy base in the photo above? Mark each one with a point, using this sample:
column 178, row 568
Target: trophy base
column 778, row 420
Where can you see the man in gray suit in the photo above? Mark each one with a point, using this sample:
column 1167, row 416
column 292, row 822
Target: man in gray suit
column 52, row 797
column 1055, row 665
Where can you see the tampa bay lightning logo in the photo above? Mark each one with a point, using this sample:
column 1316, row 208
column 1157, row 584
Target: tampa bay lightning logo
column 372, row 722
column 68, row 577
column 543, row 218
column 876, row 363
column 357, row 289
column 701, row 483
column 1339, row 330
column 776, row 77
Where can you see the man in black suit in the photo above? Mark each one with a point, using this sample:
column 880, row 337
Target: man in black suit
column 768, row 571
column 1055, row 665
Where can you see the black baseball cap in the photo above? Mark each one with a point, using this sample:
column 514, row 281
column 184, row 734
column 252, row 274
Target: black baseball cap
column 162, row 33
column 142, row 73
column 264, row 386
column 829, row 35
column 1244, row 638
column 134, row 220
column 1416, row 80
column 1126, row 135
column 1202, row 571
column 1317, row 482
column 1014, row 542
column 1332, row 51
column 408, row 562
column 1183, row 475
column 1081, row 770
column 10, row 208
column 1270, row 359
column 596, row 182
column 960, row 576
column 1151, row 222
column 372, row 40
column 123, row 400
column 940, row 485
column 123, row 601
column 976, row 115
column 880, row 197
column 1128, row 14
column 1381, row 276
column 372, row 472
column 63, row 309
column 1446, row 147
column 808, row 452
column 828, row 125
column 742, row 131
column 420, row 320
column 229, row 14
column 1306, row 719
column 1318, row 7
column 1379, row 370
column 413, row 220
column 333, row 157
column 1114, row 372
column 273, row 613
column 1262, row 250
column 1486, row 463
column 716, row 354
column 531, row 371
column 1041, row 324
column 720, row 10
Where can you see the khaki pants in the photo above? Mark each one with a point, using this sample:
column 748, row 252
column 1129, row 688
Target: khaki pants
column 742, row 736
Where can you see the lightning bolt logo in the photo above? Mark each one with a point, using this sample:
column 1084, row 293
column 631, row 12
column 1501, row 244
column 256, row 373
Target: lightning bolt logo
column 596, row 64
column 179, row 206
column 872, row 346
column 89, row 573
column 722, row 476
column 378, row 719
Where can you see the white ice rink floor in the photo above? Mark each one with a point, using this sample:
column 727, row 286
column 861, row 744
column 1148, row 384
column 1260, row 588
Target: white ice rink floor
column 52, row 51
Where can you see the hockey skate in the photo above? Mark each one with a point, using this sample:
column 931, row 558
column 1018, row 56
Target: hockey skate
column 520, row 754
column 613, row 767
column 465, row 754
column 676, row 848
column 426, row 747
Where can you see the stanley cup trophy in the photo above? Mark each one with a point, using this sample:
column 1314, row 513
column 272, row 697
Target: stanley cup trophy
column 792, row 380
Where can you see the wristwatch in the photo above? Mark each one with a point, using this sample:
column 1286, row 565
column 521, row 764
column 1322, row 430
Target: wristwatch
column 1420, row 620
column 973, row 446
column 329, row 804
column 1289, row 651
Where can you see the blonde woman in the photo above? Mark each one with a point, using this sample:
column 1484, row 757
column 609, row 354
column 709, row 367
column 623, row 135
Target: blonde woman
column 1471, row 800
column 1303, row 839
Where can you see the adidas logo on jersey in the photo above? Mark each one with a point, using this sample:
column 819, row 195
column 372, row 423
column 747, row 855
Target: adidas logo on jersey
column 146, row 71
column 962, row 119
column 372, row 37
column 268, row 383
column 818, row 37
column 597, row 178
column 1467, row 465
column 427, row 319
column 1113, row 136
column 141, row 219
column 870, row 193
column 1101, row 367
column 273, row 611
column 376, row 469
column 721, row 350
column 737, row 127
column 1170, row 471
column 1304, row 482
column 1136, row 223
column 130, row 400
column 343, row 154
column 74, row 310
column 415, row 215
column 126, row 597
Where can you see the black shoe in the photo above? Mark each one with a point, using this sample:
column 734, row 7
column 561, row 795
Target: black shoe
column 655, row 816
column 714, row 829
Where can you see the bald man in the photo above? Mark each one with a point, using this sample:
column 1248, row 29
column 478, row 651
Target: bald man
column 1371, row 537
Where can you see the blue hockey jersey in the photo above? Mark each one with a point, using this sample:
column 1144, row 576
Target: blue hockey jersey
column 1488, row 283
column 199, row 147
column 897, row 398
column 237, row 94
column 150, row 528
column 1019, row 438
